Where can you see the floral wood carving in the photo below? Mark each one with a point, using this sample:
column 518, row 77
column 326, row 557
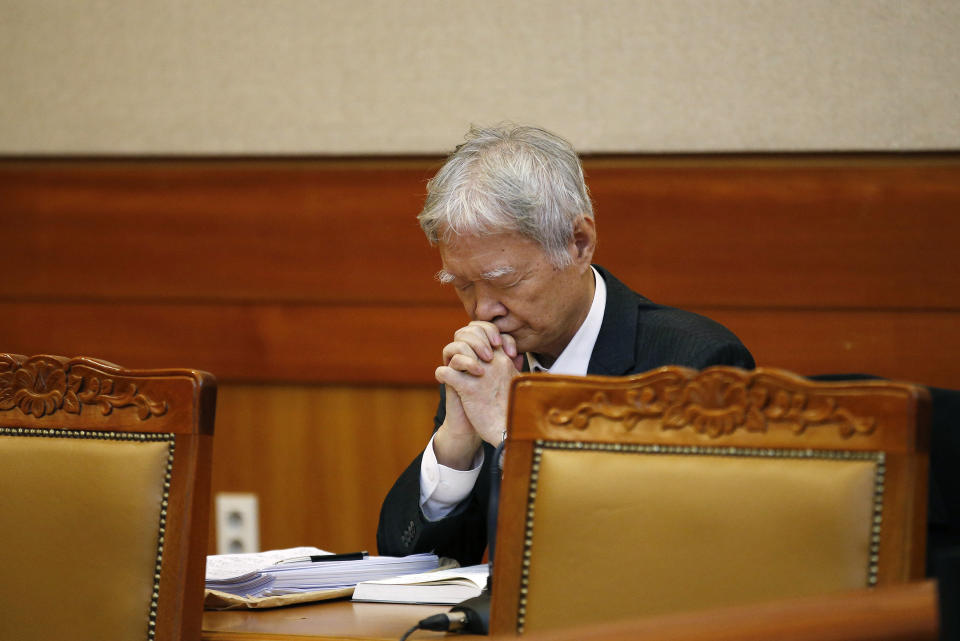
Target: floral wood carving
column 717, row 404
column 41, row 386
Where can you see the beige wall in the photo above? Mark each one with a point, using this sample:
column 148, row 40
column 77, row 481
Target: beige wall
column 355, row 76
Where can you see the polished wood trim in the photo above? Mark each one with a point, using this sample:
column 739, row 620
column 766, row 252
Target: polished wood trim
column 915, row 346
column 383, row 344
column 306, row 343
column 214, row 230
column 782, row 236
column 314, row 270
column 793, row 231
column 897, row 613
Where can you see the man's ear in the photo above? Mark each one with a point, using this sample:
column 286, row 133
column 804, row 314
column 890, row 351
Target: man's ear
column 584, row 241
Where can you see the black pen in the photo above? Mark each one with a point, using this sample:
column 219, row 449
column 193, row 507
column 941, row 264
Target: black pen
column 314, row 558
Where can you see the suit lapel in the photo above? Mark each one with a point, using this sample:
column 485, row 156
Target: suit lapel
column 614, row 353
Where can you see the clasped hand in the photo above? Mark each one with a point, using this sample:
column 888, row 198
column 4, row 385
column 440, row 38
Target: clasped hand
column 476, row 372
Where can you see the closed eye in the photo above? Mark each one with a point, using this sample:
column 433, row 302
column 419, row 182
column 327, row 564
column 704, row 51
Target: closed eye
column 512, row 282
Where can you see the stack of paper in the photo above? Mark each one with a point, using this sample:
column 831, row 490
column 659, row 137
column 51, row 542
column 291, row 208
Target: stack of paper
column 444, row 587
column 270, row 574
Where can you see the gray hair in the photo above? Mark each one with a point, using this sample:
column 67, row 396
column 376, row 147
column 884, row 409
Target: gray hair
column 509, row 178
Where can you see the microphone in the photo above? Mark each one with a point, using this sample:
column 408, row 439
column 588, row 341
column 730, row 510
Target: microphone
column 476, row 613
column 471, row 616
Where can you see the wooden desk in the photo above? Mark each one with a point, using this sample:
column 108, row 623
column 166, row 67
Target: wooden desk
column 906, row 612
column 340, row 620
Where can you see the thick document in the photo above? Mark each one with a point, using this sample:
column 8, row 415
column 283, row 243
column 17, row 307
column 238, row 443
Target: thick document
column 282, row 577
column 441, row 587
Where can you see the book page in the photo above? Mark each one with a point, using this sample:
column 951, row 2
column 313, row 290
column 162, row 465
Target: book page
column 476, row 574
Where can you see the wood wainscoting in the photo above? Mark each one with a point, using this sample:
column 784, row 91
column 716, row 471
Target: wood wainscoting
column 306, row 287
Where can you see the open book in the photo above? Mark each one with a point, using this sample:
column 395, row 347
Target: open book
column 443, row 587
column 267, row 574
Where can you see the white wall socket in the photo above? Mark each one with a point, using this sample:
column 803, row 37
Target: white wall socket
column 238, row 523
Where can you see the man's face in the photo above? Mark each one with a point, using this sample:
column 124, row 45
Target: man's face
column 508, row 280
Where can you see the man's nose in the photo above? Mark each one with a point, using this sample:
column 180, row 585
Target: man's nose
column 488, row 306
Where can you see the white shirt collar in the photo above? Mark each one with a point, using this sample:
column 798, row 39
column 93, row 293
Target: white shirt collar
column 575, row 357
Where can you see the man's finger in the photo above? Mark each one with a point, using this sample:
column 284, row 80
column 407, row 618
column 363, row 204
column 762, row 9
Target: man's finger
column 458, row 347
column 478, row 340
column 451, row 377
column 491, row 331
column 468, row 364
column 510, row 346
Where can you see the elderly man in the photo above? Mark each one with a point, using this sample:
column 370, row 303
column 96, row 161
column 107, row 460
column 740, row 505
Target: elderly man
column 511, row 216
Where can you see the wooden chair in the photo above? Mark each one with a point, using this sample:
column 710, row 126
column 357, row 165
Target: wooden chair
column 104, row 499
column 681, row 490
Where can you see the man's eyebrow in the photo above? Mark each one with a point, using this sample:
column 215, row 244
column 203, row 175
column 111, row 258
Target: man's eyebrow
column 446, row 277
column 498, row 272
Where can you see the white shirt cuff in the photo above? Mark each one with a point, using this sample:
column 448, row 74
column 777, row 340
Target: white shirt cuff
column 442, row 488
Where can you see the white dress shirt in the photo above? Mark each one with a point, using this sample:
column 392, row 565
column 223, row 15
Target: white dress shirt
column 442, row 487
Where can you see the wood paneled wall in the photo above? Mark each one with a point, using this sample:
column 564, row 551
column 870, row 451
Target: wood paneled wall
column 320, row 457
column 305, row 286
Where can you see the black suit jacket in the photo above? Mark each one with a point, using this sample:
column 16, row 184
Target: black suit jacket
column 636, row 335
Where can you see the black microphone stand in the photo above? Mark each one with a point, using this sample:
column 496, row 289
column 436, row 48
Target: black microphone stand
column 473, row 615
column 477, row 609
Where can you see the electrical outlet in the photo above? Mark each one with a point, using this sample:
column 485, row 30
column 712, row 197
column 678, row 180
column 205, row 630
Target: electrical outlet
column 238, row 523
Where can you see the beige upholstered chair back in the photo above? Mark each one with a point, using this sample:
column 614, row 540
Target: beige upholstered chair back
column 104, row 499
column 680, row 490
